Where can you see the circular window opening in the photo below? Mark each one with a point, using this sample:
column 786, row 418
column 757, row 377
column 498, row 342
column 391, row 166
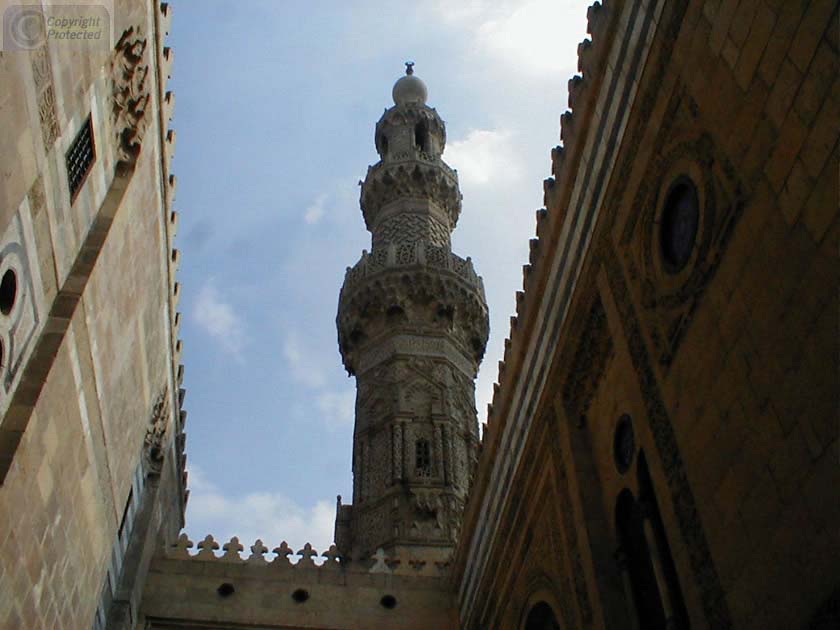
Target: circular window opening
column 388, row 601
column 8, row 291
column 678, row 225
column 300, row 595
column 624, row 444
column 226, row 589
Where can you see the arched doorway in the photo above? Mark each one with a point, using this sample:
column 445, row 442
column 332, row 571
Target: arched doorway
column 541, row 617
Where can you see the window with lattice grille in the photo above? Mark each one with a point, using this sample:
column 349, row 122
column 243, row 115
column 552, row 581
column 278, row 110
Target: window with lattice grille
column 80, row 158
column 423, row 458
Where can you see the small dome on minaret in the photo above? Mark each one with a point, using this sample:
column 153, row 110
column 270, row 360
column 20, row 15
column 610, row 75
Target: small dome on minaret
column 410, row 89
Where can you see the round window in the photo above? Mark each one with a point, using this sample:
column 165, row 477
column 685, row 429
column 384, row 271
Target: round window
column 679, row 224
column 624, row 444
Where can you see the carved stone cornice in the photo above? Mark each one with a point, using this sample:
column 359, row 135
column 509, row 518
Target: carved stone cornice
column 415, row 345
column 418, row 298
column 129, row 70
column 416, row 177
column 399, row 256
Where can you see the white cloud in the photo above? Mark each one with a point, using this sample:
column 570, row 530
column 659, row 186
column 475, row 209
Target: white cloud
column 217, row 318
column 315, row 212
column 530, row 36
column 338, row 408
column 484, row 156
column 301, row 363
column 270, row 516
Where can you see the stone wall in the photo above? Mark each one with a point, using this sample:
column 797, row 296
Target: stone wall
column 224, row 588
column 726, row 368
column 101, row 350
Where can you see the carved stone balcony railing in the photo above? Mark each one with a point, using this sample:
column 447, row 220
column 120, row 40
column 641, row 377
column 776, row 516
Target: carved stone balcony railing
column 394, row 256
column 414, row 154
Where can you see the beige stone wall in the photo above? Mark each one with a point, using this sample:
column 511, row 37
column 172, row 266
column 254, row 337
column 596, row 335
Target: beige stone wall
column 74, row 443
column 729, row 370
column 185, row 592
column 753, row 390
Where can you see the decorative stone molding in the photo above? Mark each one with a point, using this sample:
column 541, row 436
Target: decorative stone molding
column 376, row 299
column 396, row 255
column 154, row 449
column 671, row 299
column 414, row 178
column 595, row 348
column 42, row 74
column 411, row 228
column 129, row 71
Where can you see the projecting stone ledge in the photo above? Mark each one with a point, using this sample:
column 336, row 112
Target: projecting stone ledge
column 276, row 594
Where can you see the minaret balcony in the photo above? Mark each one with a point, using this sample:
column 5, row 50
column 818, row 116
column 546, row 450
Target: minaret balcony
column 413, row 287
column 395, row 256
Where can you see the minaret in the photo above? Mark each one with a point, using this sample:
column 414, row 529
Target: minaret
column 412, row 327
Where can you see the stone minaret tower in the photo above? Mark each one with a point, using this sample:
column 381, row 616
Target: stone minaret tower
column 412, row 327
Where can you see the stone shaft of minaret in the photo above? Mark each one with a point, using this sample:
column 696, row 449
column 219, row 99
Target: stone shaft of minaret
column 412, row 327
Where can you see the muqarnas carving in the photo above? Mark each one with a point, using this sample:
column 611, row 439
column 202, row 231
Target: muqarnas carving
column 129, row 72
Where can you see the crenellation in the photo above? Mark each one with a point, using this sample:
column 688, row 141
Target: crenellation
column 231, row 549
column 585, row 57
column 576, row 86
column 596, row 19
column 167, row 64
column 566, row 128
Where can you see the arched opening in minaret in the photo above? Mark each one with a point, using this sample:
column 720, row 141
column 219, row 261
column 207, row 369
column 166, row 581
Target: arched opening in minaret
column 395, row 313
column 382, row 144
column 421, row 136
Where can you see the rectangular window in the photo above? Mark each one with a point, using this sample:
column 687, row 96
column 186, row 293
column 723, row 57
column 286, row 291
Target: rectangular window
column 80, row 158
column 422, row 458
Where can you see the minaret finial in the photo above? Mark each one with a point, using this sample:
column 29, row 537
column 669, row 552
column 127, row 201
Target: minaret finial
column 409, row 67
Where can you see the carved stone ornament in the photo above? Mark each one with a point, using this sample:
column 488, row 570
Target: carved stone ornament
column 129, row 71
column 670, row 299
column 433, row 180
column 433, row 302
column 155, row 442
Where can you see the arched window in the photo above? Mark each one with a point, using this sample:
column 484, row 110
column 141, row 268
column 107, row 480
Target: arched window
column 644, row 590
column 421, row 136
column 677, row 613
column 541, row 617
column 382, row 144
column 423, row 458
column 653, row 589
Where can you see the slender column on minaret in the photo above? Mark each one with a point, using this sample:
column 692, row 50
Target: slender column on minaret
column 412, row 328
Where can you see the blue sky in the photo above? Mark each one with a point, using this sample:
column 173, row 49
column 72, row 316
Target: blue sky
column 276, row 107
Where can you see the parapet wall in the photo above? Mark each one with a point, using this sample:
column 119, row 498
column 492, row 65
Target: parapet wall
column 245, row 590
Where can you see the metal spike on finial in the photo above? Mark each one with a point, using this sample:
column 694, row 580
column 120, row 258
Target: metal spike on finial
column 409, row 67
